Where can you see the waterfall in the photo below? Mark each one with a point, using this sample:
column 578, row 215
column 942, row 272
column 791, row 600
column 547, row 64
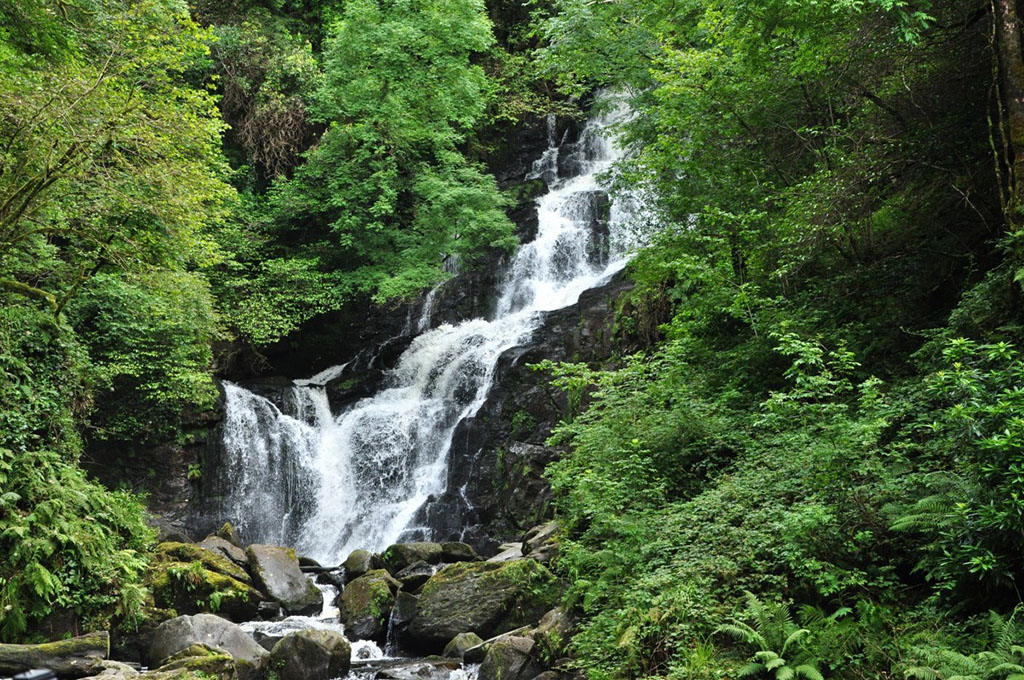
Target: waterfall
column 330, row 483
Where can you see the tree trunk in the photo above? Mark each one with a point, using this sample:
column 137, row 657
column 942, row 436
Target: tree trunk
column 1011, row 66
column 74, row 658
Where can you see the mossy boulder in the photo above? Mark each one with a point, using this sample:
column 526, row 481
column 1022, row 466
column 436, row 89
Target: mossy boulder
column 212, row 560
column 366, row 604
column 400, row 555
column 191, row 588
column 310, row 655
column 276, row 572
column 460, row 643
column 510, row 658
column 199, row 659
column 188, row 635
column 485, row 598
column 230, row 534
column 360, row 562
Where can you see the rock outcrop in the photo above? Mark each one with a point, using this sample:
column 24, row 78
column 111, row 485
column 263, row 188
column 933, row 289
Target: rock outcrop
column 276, row 571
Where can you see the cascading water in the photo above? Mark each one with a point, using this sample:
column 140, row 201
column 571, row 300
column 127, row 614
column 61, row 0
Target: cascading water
column 329, row 483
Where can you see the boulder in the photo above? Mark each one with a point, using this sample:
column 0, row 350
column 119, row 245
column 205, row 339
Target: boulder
column 486, row 598
column 458, row 552
column 360, row 562
column 419, row 669
column 179, row 634
column 510, row 658
column 541, row 542
column 365, row 605
column 230, row 534
column 552, row 633
column 403, row 612
column 276, row 571
column 200, row 660
column 114, row 670
column 191, row 588
column 508, row 552
column 218, row 545
column 310, row 655
column 400, row 555
column 456, row 649
column 415, row 575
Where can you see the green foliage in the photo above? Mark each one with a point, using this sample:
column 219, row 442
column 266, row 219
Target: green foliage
column 1003, row 661
column 778, row 642
column 66, row 543
column 972, row 510
column 149, row 336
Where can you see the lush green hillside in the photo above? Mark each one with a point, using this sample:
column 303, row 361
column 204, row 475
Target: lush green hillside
column 814, row 466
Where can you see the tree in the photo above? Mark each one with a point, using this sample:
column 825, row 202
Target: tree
column 107, row 157
column 386, row 196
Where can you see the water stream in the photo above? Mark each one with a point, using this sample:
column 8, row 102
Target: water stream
column 328, row 483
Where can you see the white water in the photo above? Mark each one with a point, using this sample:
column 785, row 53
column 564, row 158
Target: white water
column 330, row 483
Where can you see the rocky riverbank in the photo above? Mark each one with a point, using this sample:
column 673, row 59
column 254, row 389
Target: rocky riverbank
column 430, row 611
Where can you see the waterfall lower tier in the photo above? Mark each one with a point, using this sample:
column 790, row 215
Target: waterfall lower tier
column 299, row 474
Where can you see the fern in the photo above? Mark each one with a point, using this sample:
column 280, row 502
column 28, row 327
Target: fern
column 779, row 653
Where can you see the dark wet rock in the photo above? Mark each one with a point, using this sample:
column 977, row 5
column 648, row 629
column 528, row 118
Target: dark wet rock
column 276, row 571
column 310, row 655
column 366, row 604
column 415, row 575
column 485, row 598
column 402, row 614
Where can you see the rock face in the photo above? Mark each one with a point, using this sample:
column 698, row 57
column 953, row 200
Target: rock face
column 485, row 598
column 310, row 655
column 179, row 634
column 276, row 571
column 499, row 455
column 366, row 603
column 510, row 658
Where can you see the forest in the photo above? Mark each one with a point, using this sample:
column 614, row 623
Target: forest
column 805, row 461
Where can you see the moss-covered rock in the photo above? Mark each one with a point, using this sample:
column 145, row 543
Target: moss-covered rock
column 366, row 603
column 191, row 588
column 211, row 560
column 400, row 555
column 460, row 643
column 510, row 658
column 486, row 598
column 310, row 655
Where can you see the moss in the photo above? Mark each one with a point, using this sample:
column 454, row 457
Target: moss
column 213, row 561
column 190, row 588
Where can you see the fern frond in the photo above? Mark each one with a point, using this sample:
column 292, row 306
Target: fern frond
column 750, row 670
column 921, row 673
column 808, row 671
column 784, row 673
